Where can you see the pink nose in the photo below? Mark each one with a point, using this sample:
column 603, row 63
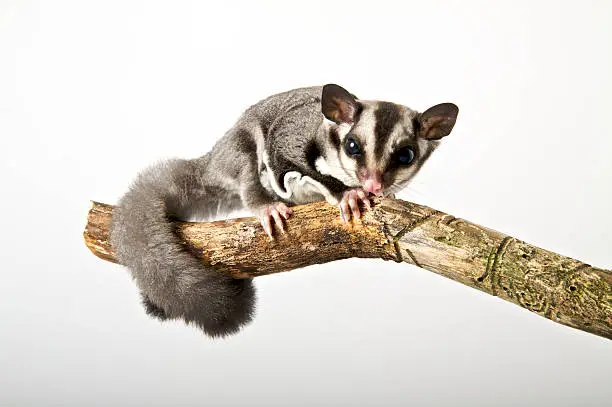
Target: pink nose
column 373, row 186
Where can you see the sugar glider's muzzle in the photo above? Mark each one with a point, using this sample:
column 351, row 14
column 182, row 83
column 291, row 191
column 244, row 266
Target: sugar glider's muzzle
column 373, row 186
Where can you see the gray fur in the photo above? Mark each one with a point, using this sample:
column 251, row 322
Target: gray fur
column 268, row 156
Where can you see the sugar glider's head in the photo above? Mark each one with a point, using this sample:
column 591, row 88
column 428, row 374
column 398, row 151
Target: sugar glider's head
column 381, row 145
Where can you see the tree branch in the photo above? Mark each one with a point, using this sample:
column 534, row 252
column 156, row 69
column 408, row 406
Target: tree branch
column 556, row 287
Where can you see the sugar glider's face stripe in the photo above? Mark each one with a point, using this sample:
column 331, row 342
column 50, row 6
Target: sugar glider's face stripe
column 334, row 138
column 387, row 116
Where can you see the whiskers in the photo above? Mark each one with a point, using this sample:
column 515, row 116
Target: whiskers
column 341, row 173
column 409, row 190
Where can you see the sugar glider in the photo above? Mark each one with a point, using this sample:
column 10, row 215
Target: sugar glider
column 304, row 145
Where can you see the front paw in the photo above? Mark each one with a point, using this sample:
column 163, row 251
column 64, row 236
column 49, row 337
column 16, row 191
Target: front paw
column 276, row 213
column 349, row 204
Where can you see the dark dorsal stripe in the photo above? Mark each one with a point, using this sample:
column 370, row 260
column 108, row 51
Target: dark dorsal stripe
column 245, row 142
column 387, row 115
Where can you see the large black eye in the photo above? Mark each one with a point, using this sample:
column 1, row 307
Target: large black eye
column 351, row 146
column 404, row 155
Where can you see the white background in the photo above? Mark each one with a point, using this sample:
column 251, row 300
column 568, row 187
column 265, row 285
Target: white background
column 91, row 92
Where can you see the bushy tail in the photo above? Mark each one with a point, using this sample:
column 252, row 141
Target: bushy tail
column 173, row 282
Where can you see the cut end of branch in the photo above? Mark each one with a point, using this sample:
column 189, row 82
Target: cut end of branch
column 97, row 231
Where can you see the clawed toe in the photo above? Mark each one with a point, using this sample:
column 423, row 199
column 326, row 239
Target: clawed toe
column 349, row 205
column 276, row 213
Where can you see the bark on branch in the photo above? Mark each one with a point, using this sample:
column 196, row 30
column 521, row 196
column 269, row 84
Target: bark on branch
column 556, row 287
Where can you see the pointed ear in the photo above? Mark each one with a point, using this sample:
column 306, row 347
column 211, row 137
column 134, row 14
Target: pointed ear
column 338, row 105
column 437, row 121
